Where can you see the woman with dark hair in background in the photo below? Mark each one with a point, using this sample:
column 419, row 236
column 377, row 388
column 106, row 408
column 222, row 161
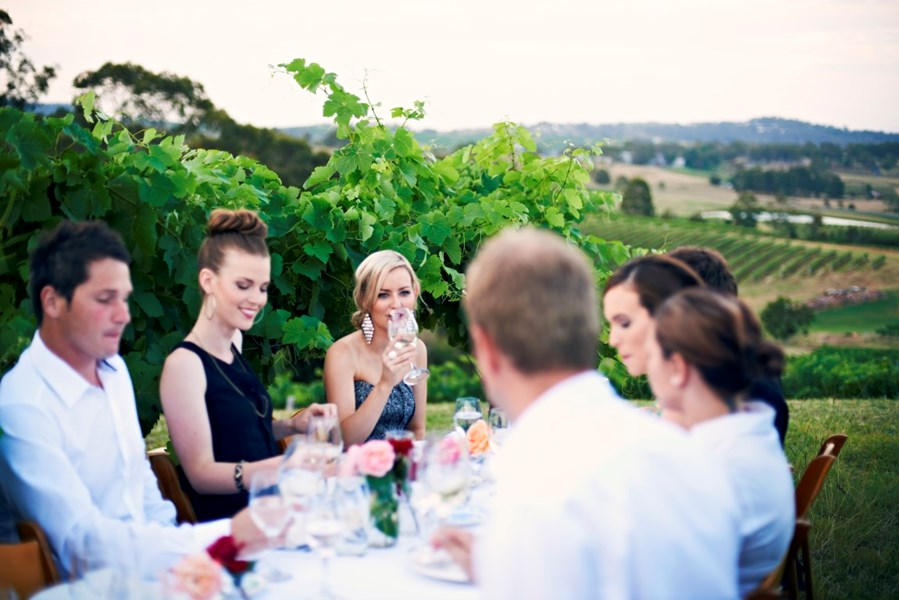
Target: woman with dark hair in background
column 706, row 351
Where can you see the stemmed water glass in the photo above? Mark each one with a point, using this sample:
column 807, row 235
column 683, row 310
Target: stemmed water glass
column 403, row 331
column 445, row 473
column 326, row 529
column 468, row 412
column 301, row 480
column 269, row 510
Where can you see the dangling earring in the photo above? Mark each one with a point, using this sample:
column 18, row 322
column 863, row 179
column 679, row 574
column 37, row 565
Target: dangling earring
column 368, row 329
column 259, row 317
column 210, row 301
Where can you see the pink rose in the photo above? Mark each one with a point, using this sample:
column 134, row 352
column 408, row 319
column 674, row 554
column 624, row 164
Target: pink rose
column 450, row 450
column 198, row 576
column 375, row 458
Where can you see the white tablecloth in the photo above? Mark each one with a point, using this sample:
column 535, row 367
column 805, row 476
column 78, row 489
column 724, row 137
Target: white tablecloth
column 382, row 573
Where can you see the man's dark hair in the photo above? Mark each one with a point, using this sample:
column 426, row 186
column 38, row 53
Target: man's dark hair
column 63, row 255
column 709, row 265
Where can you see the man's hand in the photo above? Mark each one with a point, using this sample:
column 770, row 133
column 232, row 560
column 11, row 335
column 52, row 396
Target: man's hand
column 458, row 543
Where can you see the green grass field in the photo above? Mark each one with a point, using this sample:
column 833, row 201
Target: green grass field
column 860, row 318
column 855, row 521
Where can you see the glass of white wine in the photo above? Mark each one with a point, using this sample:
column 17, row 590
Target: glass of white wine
column 402, row 329
column 323, row 435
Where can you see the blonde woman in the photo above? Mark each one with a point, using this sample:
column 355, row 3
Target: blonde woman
column 363, row 370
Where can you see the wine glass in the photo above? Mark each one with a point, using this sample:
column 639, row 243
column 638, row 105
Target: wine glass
column 445, row 472
column 468, row 412
column 403, row 331
column 499, row 424
column 326, row 529
column 269, row 510
column 324, row 437
column 301, row 480
column 353, row 498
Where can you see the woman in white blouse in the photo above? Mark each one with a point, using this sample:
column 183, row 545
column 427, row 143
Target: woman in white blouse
column 706, row 350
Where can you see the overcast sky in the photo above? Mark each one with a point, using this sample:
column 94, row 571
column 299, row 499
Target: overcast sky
column 474, row 62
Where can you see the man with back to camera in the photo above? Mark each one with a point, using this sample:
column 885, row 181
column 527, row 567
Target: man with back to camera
column 594, row 498
column 72, row 457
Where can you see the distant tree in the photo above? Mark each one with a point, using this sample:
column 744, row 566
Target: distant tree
column 715, row 179
column 744, row 211
column 179, row 105
column 139, row 97
column 661, row 185
column 784, row 318
column 602, row 177
column 23, row 84
column 637, row 199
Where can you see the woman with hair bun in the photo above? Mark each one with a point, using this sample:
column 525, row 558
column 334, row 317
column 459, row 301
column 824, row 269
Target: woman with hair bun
column 706, row 351
column 218, row 413
column 363, row 371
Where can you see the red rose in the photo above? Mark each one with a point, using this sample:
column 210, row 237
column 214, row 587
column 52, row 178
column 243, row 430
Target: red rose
column 224, row 551
column 401, row 446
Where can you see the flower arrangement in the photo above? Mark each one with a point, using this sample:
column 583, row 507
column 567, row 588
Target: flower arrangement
column 385, row 464
column 199, row 576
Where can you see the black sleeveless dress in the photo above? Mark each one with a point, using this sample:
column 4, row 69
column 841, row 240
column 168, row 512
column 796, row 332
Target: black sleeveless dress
column 238, row 431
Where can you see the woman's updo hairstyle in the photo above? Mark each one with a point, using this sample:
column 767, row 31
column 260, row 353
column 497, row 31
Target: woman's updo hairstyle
column 720, row 336
column 654, row 278
column 231, row 229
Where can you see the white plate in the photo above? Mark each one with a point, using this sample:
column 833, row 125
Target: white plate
column 436, row 564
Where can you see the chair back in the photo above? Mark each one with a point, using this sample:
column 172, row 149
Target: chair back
column 170, row 486
column 811, row 482
column 833, row 444
column 27, row 567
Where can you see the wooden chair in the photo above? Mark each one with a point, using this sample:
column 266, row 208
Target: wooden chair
column 833, row 444
column 170, row 486
column 27, row 567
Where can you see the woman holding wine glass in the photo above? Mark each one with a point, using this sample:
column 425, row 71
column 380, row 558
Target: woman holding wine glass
column 377, row 380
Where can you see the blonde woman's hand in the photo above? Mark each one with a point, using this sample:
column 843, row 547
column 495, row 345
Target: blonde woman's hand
column 396, row 361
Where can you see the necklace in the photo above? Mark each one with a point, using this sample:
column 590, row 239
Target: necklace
column 215, row 362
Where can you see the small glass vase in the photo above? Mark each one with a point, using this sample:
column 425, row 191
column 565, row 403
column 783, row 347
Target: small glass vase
column 384, row 511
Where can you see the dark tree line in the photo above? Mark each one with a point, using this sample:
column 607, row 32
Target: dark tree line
column 796, row 181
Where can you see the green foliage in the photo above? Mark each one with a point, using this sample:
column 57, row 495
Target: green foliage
column 784, row 318
column 382, row 189
column 744, row 211
column 637, row 199
column 453, row 379
column 831, row 372
column 24, row 84
column 891, row 330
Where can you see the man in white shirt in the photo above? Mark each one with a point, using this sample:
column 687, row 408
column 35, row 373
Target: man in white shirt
column 594, row 499
column 72, row 457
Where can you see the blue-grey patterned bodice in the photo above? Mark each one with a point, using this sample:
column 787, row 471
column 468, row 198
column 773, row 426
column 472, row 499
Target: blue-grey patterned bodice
column 397, row 412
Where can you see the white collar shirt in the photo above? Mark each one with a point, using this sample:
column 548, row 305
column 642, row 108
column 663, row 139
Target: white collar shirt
column 72, row 458
column 748, row 446
column 596, row 499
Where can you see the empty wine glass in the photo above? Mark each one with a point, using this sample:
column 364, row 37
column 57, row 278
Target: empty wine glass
column 445, row 472
column 468, row 412
column 269, row 510
column 403, row 331
column 326, row 529
column 352, row 499
column 499, row 424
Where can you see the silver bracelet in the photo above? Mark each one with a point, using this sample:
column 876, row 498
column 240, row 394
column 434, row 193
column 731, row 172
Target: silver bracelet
column 238, row 477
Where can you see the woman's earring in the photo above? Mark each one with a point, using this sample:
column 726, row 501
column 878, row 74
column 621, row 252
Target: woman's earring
column 259, row 317
column 368, row 328
column 210, row 302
